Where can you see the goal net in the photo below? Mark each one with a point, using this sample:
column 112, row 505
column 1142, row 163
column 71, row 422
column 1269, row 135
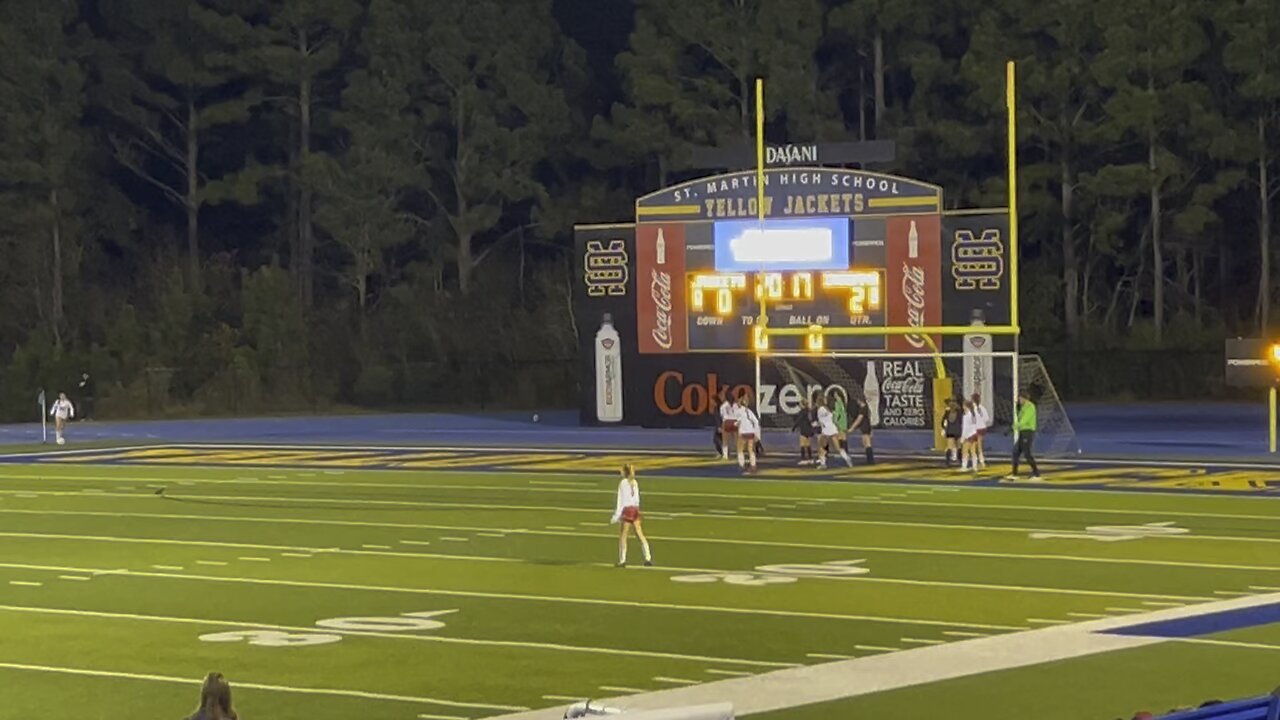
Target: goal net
column 904, row 393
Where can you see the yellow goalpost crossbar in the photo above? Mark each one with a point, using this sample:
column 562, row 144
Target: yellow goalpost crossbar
column 894, row 330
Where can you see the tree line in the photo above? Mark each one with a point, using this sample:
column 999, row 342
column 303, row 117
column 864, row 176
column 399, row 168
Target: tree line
column 259, row 205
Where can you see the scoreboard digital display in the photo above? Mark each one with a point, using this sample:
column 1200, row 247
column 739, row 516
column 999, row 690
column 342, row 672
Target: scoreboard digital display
column 866, row 256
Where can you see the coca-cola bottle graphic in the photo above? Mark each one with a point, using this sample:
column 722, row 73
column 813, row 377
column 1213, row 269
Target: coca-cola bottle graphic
column 913, row 241
column 871, row 393
column 660, row 248
column 608, row 372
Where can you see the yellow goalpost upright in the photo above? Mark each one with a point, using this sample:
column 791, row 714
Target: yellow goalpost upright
column 763, row 332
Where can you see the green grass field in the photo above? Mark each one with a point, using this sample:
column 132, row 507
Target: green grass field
column 393, row 595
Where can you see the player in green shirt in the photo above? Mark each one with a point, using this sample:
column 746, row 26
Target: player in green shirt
column 841, row 414
column 1024, row 431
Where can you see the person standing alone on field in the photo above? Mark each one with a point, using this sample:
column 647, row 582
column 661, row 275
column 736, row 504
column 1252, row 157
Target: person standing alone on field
column 88, row 396
column 628, row 513
column 1024, row 431
column 62, row 411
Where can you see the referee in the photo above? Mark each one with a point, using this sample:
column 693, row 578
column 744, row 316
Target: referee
column 1024, row 432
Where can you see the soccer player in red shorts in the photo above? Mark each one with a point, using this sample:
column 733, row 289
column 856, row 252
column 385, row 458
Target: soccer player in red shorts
column 628, row 513
column 728, row 427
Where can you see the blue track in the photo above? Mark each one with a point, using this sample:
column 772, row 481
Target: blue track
column 1139, row 431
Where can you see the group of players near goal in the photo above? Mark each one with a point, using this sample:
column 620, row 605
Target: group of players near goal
column 825, row 423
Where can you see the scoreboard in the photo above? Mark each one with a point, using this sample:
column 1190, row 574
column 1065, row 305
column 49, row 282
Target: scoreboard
column 667, row 303
column 837, row 249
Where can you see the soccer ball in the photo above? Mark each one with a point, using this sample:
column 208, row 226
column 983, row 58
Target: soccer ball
column 62, row 441
column 535, row 417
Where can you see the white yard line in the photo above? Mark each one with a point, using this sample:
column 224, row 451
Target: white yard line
column 748, row 518
column 1038, row 557
column 520, row 596
column 400, row 636
column 258, row 686
column 676, row 681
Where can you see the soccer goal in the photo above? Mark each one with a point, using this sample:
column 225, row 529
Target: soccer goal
column 906, row 392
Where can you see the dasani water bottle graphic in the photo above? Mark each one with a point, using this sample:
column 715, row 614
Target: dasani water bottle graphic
column 608, row 372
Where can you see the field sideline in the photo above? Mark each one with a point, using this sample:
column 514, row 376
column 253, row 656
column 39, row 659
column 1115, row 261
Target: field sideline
column 450, row 583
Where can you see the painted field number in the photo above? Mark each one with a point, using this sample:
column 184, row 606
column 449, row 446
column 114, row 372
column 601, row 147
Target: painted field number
column 409, row 622
column 780, row 574
column 271, row 638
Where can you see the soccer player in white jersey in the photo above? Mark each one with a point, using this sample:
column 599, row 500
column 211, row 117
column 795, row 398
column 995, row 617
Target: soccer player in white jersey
column 829, row 435
column 627, row 512
column 62, row 411
column 748, row 434
column 969, row 437
column 984, row 423
column 728, row 426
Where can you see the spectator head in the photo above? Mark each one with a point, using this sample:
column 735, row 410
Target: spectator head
column 215, row 698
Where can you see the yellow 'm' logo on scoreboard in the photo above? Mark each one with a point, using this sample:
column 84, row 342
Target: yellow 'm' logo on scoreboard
column 605, row 268
column 977, row 262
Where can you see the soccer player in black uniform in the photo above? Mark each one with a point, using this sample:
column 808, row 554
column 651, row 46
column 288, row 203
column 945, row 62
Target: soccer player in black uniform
column 862, row 424
column 806, row 424
column 951, row 422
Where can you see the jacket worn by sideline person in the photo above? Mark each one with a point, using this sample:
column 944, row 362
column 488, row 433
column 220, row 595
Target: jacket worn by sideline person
column 1026, row 420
